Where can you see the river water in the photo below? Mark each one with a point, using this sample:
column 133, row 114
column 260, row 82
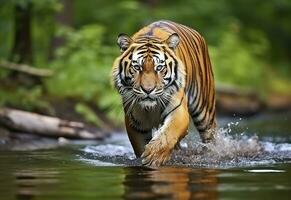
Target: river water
column 251, row 160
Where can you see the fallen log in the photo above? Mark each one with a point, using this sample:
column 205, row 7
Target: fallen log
column 235, row 90
column 44, row 125
column 26, row 69
column 235, row 100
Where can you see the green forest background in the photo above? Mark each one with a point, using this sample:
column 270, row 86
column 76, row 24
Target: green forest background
column 249, row 43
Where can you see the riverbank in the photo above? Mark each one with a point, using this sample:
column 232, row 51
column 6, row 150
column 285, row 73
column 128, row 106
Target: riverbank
column 23, row 141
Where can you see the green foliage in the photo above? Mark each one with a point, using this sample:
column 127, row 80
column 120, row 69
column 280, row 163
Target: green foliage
column 78, row 64
column 28, row 99
column 117, row 16
column 238, row 62
column 6, row 28
column 88, row 114
column 43, row 28
column 83, row 69
column 271, row 17
column 249, row 42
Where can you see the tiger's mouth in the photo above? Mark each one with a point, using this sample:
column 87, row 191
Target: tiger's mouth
column 148, row 102
column 148, row 98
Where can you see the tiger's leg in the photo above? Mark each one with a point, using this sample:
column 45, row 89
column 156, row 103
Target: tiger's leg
column 174, row 128
column 137, row 138
column 205, row 123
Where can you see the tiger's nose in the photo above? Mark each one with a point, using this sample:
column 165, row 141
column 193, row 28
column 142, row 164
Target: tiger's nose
column 147, row 90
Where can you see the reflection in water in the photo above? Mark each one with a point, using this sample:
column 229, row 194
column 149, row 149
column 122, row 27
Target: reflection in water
column 32, row 176
column 71, row 181
column 30, row 182
column 170, row 183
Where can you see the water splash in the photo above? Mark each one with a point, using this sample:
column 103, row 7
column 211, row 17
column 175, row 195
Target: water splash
column 231, row 149
column 111, row 150
column 265, row 171
column 227, row 150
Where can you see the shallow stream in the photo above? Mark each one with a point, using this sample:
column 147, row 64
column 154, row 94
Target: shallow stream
column 251, row 160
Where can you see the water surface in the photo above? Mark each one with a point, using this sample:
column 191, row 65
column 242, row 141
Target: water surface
column 251, row 161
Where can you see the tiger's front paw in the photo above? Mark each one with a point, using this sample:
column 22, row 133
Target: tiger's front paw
column 157, row 152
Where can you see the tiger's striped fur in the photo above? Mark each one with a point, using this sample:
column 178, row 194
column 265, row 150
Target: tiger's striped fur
column 164, row 76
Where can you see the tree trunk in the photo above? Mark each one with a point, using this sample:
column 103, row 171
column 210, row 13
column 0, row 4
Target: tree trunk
column 150, row 3
column 65, row 17
column 22, row 47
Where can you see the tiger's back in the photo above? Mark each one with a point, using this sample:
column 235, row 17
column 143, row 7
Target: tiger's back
column 193, row 52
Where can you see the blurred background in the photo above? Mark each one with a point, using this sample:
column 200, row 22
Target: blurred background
column 56, row 55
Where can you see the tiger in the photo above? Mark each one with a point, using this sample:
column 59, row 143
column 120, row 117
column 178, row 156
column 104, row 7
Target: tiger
column 164, row 77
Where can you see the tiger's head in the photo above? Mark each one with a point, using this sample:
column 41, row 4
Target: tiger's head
column 148, row 72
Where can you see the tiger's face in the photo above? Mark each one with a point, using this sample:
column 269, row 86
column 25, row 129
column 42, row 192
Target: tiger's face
column 147, row 72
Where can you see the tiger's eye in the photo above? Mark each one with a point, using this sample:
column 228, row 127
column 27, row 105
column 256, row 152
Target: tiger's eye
column 136, row 67
column 159, row 68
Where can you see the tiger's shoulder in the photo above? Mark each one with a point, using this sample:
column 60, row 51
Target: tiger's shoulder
column 164, row 28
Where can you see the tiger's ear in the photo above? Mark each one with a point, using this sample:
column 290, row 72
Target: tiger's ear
column 123, row 41
column 173, row 41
